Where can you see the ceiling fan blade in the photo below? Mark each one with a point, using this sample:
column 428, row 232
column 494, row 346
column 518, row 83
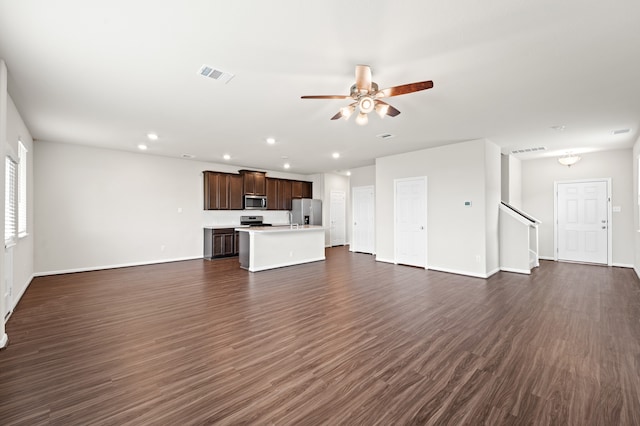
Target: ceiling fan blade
column 326, row 97
column 337, row 116
column 404, row 89
column 349, row 109
column 391, row 111
column 363, row 78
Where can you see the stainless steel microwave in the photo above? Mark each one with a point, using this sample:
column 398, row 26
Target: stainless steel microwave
column 255, row 202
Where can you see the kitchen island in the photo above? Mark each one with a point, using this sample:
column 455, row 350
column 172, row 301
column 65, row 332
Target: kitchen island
column 268, row 247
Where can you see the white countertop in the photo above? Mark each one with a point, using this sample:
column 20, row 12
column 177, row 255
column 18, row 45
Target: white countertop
column 280, row 228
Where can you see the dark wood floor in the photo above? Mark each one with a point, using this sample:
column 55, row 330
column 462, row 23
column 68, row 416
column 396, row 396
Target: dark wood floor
column 346, row 341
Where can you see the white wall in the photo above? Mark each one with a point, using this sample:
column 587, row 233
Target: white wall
column 3, row 138
column 456, row 234
column 492, row 182
column 97, row 208
column 23, row 251
column 511, row 180
column 538, row 177
column 636, row 202
column 362, row 176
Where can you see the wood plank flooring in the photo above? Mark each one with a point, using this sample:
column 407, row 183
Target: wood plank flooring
column 346, row 341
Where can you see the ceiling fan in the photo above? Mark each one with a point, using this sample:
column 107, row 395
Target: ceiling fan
column 367, row 96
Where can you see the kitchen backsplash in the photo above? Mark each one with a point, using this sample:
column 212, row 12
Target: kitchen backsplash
column 232, row 217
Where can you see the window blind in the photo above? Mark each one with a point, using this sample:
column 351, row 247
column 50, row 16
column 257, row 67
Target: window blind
column 22, row 190
column 10, row 234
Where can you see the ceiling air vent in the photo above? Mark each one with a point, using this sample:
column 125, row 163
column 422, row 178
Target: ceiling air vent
column 528, row 150
column 385, row 136
column 216, row 74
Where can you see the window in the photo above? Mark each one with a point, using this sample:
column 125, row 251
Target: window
column 10, row 202
column 22, row 190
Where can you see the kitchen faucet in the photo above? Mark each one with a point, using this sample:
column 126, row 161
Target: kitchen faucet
column 291, row 220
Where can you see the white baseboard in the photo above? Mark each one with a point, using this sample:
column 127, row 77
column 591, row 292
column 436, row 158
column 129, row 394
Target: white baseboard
column 517, row 271
column 622, row 265
column 637, row 272
column 383, row 260
column 546, row 258
column 466, row 273
column 122, row 265
column 24, row 289
column 4, row 340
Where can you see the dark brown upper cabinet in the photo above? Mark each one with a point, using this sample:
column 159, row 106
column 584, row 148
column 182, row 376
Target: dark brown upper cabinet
column 272, row 194
column 222, row 191
column 255, row 183
column 296, row 189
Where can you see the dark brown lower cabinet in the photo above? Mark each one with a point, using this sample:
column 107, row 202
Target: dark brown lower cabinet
column 220, row 243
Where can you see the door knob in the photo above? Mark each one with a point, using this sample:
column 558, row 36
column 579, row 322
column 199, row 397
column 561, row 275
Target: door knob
column 604, row 227
column 604, row 221
column 422, row 228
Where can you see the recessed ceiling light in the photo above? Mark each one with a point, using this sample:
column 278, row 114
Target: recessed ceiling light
column 188, row 156
column 336, row 155
column 559, row 128
column 285, row 157
column 287, row 165
column 226, row 157
column 348, row 173
column 621, row 131
column 142, row 147
column 271, row 141
column 152, row 136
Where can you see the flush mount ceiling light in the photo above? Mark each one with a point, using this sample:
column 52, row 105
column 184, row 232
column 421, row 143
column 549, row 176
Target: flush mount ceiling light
column 366, row 96
column 569, row 159
column 287, row 165
column 226, row 157
column 142, row 147
column 152, row 136
column 336, row 155
column 271, row 141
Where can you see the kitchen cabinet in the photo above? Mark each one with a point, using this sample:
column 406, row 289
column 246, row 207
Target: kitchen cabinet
column 280, row 192
column 221, row 242
column 307, row 190
column 235, row 191
column 222, row 191
column 296, row 189
column 284, row 194
column 254, row 182
column 272, row 194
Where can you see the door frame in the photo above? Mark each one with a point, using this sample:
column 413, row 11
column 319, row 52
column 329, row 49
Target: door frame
column 609, row 214
column 426, row 216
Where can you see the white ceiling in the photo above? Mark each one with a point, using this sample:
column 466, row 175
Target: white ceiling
column 105, row 73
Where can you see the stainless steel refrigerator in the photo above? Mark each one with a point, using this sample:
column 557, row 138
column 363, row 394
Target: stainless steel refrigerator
column 306, row 211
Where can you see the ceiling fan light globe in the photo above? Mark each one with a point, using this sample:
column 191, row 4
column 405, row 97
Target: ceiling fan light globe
column 362, row 119
column 366, row 104
column 346, row 112
column 382, row 110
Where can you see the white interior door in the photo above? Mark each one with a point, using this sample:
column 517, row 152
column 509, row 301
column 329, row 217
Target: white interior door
column 411, row 221
column 337, row 212
column 582, row 221
column 363, row 206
